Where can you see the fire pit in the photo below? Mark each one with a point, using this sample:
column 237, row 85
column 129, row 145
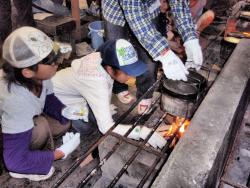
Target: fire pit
column 129, row 163
column 198, row 158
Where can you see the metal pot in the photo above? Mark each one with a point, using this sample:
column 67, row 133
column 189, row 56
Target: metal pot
column 179, row 97
column 176, row 106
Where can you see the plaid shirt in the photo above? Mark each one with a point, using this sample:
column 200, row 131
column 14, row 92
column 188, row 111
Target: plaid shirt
column 136, row 13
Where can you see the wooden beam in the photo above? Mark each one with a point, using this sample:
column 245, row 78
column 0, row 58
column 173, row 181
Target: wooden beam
column 75, row 11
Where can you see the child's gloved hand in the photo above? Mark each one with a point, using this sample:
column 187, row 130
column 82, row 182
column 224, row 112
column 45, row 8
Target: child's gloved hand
column 194, row 54
column 76, row 112
column 68, row 136
column 71, row 143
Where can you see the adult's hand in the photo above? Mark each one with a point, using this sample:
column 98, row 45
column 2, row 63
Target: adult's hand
column 172, row 66
column 194, row 54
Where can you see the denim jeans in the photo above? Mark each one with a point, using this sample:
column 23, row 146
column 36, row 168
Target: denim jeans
column 144, row 81
column 24, row 16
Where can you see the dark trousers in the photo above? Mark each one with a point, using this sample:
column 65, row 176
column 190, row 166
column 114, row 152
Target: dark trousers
column 144, row 81
column 24, row 16
column 86, row 127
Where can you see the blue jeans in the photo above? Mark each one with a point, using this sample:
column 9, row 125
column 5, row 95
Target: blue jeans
column 144, row 81
column 52, row 6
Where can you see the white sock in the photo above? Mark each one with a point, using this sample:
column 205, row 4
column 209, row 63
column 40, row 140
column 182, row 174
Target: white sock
column 70, row 146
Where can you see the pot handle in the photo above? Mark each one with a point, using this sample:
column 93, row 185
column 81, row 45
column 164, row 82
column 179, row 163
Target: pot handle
column 204, row 68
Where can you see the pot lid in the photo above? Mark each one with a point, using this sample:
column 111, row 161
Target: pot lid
column 180, row 89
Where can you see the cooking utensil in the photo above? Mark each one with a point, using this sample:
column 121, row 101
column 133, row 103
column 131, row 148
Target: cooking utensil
column 179, row 89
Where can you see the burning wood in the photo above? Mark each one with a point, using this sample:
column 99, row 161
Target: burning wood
column 179, row 124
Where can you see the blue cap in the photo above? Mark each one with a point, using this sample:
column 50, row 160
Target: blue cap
column 122, row 55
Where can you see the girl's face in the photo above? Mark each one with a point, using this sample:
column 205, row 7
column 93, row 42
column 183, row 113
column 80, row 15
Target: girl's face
column 47, row 67
column 45, row 72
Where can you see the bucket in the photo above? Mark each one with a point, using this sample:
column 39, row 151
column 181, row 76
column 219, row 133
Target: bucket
column 96, row 33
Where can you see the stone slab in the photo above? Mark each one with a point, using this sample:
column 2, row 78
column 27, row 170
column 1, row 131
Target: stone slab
column 198, row 158
column 111, row 167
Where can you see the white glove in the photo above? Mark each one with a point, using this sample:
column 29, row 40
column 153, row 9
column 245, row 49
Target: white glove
column 194, row 54
column 172, row 66
column 72, row 143
column 68, row 136
column 156, row 140
column 76, row 112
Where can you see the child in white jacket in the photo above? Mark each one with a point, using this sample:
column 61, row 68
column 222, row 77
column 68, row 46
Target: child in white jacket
column 91, row 78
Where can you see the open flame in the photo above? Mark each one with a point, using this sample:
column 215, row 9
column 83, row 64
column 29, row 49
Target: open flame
column 179, row 123
column 182, row 129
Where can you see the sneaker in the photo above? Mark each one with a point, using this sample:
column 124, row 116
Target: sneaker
column 144, row 106
column 125, row 97
column 33, row 177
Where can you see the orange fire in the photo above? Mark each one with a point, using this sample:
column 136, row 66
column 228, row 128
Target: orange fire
column 182, row 129
column 179, row 123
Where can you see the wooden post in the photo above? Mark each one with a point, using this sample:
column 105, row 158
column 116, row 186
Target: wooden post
column 75, row 11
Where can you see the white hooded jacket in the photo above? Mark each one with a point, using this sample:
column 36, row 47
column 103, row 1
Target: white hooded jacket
column 87, row 80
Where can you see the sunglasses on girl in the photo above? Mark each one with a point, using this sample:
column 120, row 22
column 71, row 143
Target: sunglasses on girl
column 52, row 58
